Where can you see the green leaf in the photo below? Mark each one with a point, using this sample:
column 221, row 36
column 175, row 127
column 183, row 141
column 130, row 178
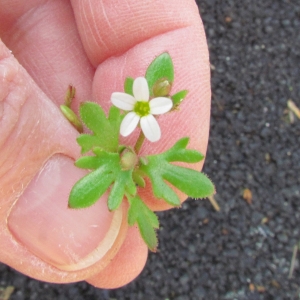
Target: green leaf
column 179, row 153
column 115, row 118
column 122, row 180
column 138, row 178
column 159, row 169
column 128, row 85
column 161, row 67
column 191, row 182
column 105, row 131
column 89, row 162
column 108, row 172
column 98, row 151
column 87, row 142
column 148, row 234
column 90, row 188
column 146, row 220
column 131, row 187
column 179, row 97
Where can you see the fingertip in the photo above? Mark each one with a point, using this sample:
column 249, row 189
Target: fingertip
column 110, row 28
column 126, row 265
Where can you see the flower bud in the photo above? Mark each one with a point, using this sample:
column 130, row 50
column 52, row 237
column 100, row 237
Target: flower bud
column 69, row 96
column 162, row 88
column 128, row 160
column 72, row 117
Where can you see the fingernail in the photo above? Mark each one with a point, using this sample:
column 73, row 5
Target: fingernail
column 70, row 239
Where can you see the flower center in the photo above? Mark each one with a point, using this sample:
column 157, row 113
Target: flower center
column 142, row 108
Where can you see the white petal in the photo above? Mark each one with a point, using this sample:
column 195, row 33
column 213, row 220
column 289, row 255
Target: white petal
column 160, row 105
column 140, row 89
column 129, row 123
column 150, row 128
column 123, row 101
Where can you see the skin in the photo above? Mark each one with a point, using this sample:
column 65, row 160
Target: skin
column 46, row 45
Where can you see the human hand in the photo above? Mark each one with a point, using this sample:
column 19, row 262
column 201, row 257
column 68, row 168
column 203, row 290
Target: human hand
column 93, row 45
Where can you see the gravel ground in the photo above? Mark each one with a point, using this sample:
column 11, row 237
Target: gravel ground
column 245, row 250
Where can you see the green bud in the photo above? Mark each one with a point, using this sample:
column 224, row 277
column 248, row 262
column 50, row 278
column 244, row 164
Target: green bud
column 128, row 160
column 162, row 87
column 72, row 117
column 70, row 94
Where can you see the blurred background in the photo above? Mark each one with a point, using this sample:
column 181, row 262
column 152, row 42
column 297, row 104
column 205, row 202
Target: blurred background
column 249, row 248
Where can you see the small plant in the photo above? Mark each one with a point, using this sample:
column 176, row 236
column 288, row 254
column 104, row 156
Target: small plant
column 119, row 169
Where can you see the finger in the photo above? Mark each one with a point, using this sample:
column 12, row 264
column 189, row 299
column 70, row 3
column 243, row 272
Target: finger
column 44, row 38
column 126, row 43
column 126, row 265
column 110, row 28
column 40, row 236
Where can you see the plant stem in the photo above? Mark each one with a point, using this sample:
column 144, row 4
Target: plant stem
column 214, row 203
column 293, row 262
column 139, row 142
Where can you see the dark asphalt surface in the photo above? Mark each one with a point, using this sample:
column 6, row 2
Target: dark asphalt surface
column 245, row 250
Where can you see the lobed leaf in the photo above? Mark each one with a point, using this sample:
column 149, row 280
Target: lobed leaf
column 90, row 188
column 146, row 220
column 93, row 116
column 131, row 186
column 148, row 234
column 107, row 173
column 179, row 153
column 87, row 142
column 122, row 181
column 189, row 181
column 105, row 131
column 115, row 118
column 89, row 162
column 159, row 170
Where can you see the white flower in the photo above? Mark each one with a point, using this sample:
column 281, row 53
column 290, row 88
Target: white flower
column 141, row 110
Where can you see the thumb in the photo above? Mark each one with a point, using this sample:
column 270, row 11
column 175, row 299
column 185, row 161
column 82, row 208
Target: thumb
column 37, row 152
